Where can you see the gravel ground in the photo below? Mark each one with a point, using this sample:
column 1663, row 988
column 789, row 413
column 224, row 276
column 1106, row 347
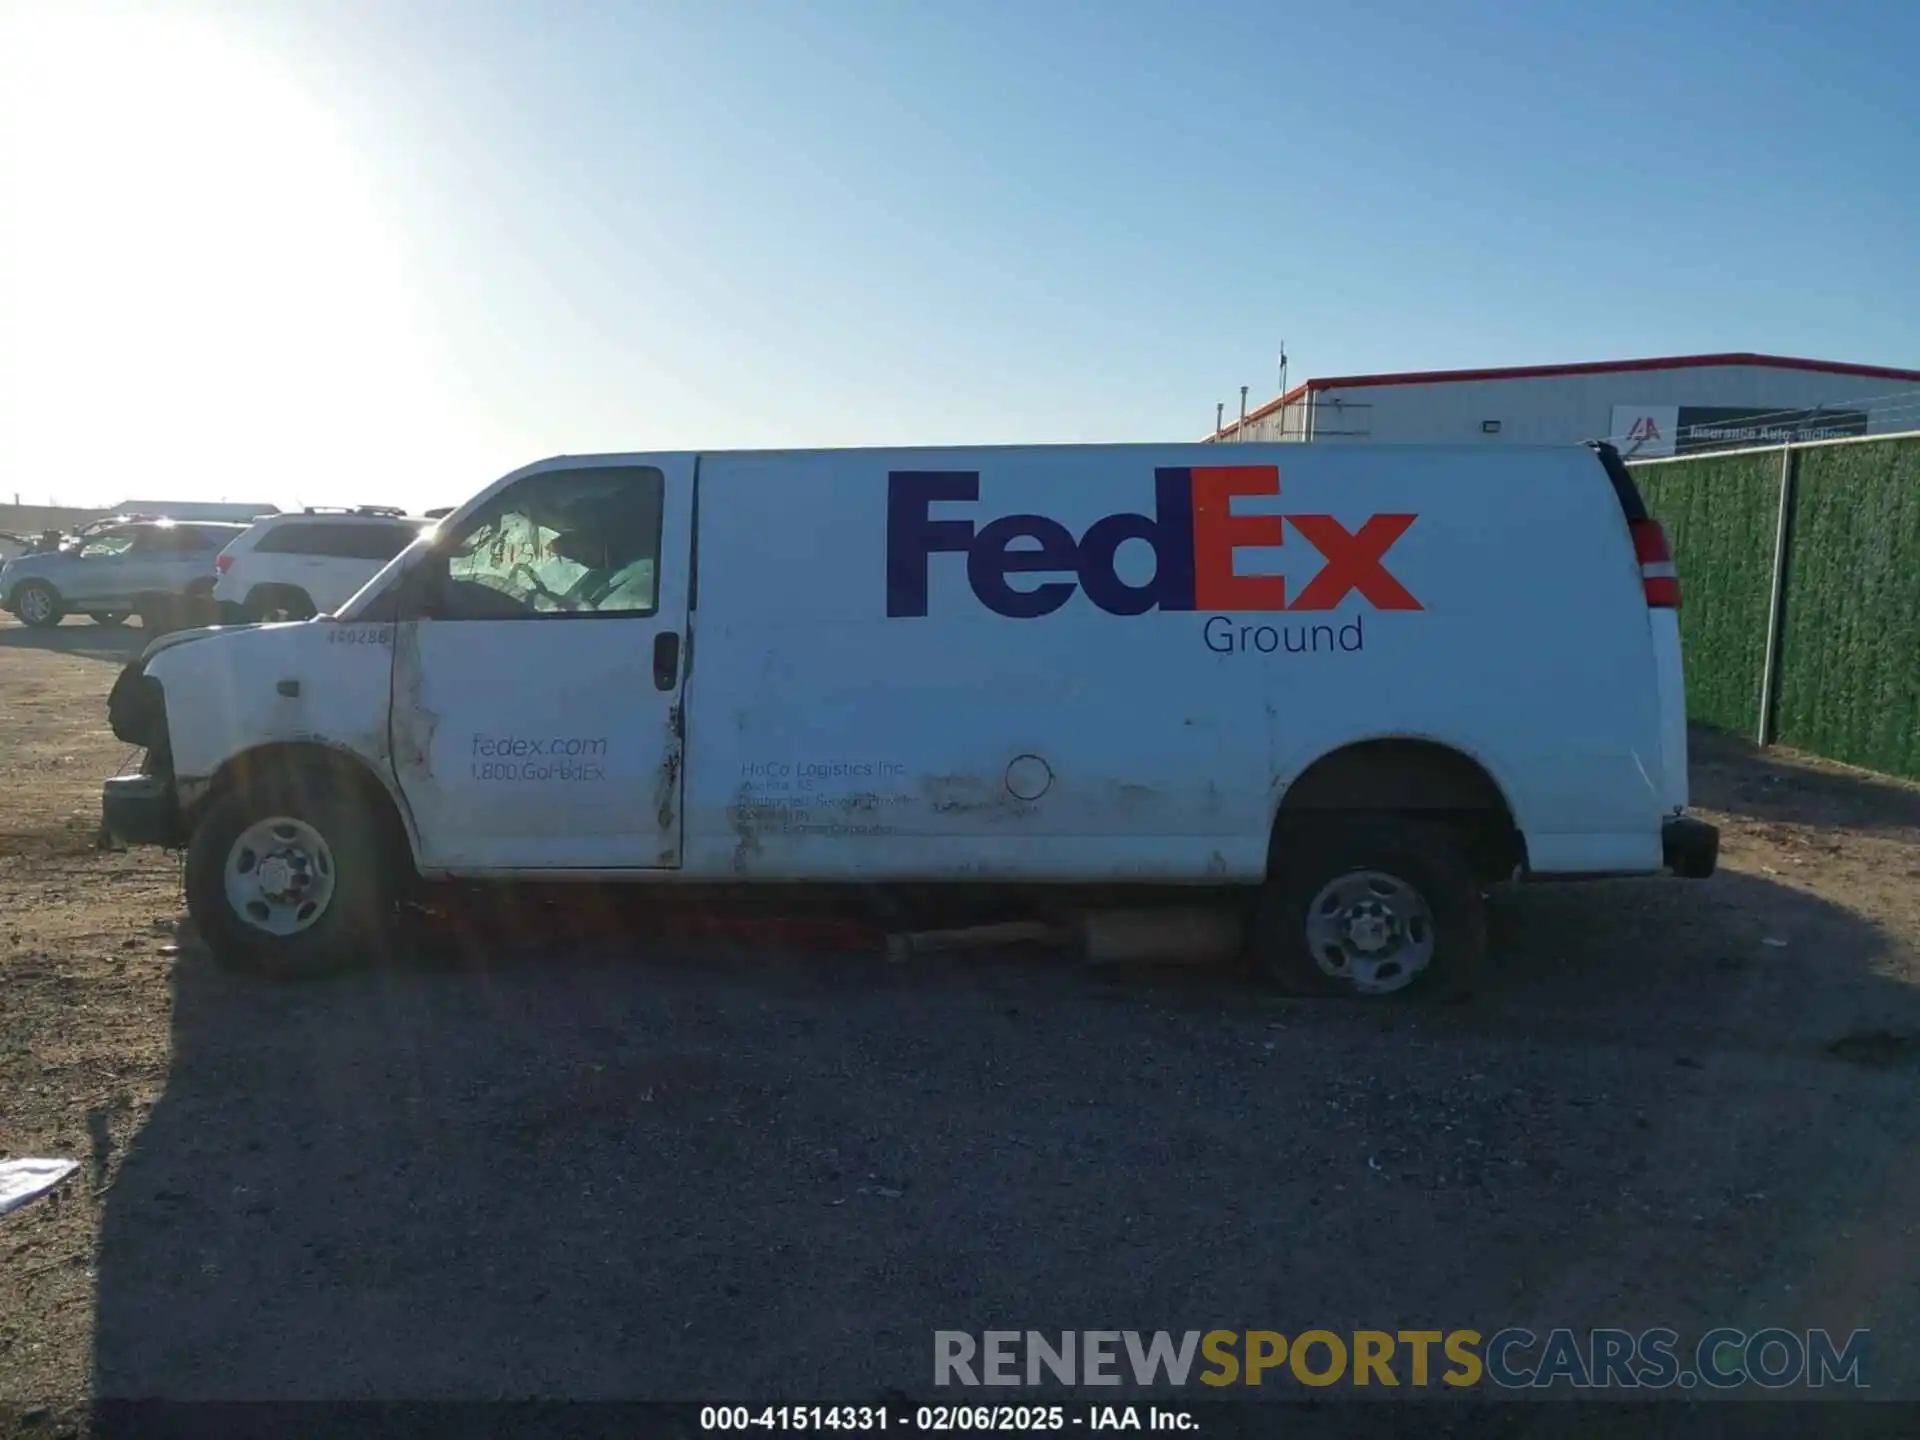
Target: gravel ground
column 626, row 1165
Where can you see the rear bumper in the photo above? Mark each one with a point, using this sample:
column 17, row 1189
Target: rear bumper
column 140, row 810
column 1689, row 847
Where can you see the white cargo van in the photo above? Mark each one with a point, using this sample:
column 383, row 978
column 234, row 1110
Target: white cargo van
column 1363, row 682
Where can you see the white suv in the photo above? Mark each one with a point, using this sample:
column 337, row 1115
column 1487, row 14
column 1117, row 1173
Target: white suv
column 293, row 567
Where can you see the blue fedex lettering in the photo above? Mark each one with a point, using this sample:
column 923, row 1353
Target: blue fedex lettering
column 913, row 536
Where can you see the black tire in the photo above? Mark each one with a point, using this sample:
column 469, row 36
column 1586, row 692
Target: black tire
column 109, row 618
column 271, row 603
column 358, row 923
column 1437, row 903
column 39, row 605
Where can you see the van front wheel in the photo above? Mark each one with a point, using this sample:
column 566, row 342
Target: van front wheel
column 1371, row 908
column 289, row 877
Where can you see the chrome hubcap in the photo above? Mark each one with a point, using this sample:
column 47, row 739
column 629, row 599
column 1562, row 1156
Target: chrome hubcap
column 1372, row 930
column 280, row 875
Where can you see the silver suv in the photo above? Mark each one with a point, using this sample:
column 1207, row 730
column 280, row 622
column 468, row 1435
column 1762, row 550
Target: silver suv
column 152, row 568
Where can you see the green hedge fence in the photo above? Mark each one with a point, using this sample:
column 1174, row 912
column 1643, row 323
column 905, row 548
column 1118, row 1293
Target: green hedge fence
column 1846, row 678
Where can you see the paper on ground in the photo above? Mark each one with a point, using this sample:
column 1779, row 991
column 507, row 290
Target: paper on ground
column 24, row 1180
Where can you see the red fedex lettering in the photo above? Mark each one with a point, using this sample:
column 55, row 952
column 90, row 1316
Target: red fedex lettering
column 1218, row 532
column 1353, row 562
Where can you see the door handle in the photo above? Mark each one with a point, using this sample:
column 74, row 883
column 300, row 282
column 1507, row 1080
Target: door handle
column 666, row 659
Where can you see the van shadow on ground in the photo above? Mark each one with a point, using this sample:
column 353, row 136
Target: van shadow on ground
column 602, row 1166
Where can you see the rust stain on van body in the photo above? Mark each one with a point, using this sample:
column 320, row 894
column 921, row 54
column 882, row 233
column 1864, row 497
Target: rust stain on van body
column 414, row 723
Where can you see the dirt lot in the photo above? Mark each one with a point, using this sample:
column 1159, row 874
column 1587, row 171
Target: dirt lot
column 633, row 1168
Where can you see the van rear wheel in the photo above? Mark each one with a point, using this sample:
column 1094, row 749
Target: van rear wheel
column 290, row 876
column 1372, row 908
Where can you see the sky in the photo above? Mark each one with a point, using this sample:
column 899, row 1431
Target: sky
column 376, row 251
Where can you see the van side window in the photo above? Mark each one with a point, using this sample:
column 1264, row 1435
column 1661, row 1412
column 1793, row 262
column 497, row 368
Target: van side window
column 558, row 544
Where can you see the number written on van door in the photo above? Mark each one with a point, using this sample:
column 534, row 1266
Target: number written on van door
column 361, row 635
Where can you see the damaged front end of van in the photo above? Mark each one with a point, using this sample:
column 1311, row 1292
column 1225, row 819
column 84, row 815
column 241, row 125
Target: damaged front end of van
column 147, row 807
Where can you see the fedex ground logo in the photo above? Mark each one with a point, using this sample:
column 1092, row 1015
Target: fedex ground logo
column 1193, row 532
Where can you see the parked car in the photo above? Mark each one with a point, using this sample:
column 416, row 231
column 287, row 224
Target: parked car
column 1412, row 673
column 154, row 568
column 296, row 566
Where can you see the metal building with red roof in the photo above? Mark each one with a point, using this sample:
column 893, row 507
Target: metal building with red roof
column 1658, row 406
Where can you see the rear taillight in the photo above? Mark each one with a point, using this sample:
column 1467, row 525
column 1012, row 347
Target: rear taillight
column 1657, row 572
column 223, row 563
